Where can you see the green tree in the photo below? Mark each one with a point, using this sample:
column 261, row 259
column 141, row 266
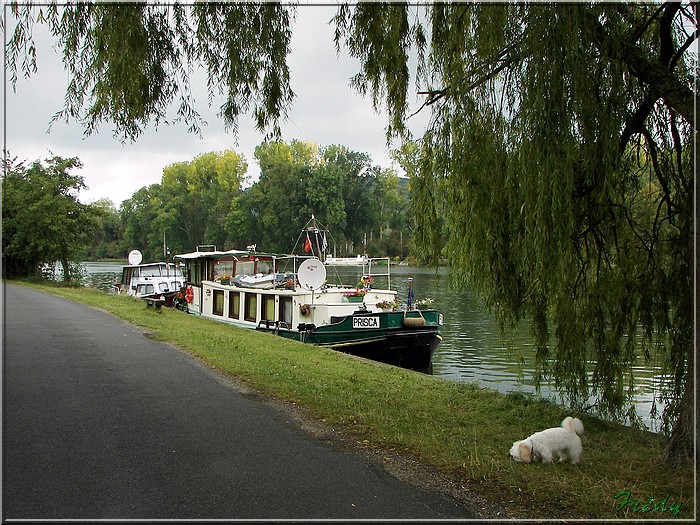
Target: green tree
column 277, row 204
column 422, row 229
column 107, row 242
column 191, row 206
column 544, row 118
column 196, row 197
column 391, row 213
column 300, row 179
column 138, row 215
column 354, row 180
column 42, row 219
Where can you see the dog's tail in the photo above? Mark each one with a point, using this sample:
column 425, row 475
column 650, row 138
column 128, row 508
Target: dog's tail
column 573, row 424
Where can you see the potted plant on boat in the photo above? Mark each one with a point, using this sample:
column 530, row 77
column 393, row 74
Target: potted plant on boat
column 387, row 306
column 365, row 282
column 356, row 296
column 423, row 304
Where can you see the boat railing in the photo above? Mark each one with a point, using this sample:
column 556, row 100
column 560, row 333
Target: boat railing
column 276, row 325
column 296, row 261
column 370, row 273
column 374, row 267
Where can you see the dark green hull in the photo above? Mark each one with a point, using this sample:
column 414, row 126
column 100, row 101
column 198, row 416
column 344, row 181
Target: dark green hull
column 405, row 339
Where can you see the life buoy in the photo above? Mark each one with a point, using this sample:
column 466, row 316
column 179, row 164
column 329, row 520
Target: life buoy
column 304, row 310
column 189, row 294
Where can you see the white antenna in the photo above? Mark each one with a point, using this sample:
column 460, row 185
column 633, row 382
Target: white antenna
column 135, row 257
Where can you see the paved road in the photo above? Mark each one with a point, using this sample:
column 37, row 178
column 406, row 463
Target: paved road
column 101, row 422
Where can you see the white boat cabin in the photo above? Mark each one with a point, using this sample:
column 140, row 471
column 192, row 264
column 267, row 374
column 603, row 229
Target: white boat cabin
column 247, row 288
column 141, row 280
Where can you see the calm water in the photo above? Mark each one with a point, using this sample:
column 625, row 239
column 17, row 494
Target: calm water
column 472, row 349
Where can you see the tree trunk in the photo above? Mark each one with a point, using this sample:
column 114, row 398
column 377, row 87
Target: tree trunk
column 680, row 449
column 67, row 277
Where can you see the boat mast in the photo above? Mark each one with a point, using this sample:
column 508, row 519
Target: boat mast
column 165, row 256
column 320, row 241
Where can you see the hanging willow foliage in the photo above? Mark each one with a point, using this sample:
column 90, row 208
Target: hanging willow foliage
column 559, row 156
column 128, row 63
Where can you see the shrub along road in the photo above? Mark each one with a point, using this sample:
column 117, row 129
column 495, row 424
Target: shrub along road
column 102, row 422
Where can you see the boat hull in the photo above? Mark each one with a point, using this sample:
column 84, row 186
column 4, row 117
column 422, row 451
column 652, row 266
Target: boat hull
column 408, row 350
column 393, row 340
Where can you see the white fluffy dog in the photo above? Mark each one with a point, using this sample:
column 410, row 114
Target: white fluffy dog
column 559, row 443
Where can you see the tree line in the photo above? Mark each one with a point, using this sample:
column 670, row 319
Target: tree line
column 206, row 201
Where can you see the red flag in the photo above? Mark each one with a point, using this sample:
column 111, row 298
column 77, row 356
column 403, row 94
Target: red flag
column 307, row 244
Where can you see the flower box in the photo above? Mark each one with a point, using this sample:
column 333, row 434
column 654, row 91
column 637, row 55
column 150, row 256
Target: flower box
column 387, row 306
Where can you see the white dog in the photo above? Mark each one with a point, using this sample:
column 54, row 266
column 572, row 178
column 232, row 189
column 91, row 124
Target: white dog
column 560, row 443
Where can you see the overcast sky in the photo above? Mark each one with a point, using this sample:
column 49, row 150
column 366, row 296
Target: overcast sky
column 325, row 111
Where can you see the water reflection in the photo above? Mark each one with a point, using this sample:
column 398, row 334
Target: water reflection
column 101, row 275
column 473, row 349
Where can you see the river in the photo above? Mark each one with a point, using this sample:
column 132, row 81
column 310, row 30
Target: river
column 472, row 349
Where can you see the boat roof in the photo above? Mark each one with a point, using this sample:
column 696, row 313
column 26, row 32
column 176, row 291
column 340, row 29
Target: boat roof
column 218, row 254
column 145, row 265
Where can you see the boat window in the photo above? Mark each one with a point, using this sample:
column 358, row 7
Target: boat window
column 218, row 308
column 245, row 268
column 268, row 308
column 286, row 310
column 126, row 276
column 145, row 289
column 175, row 285
column 265, row 267
column 194, row 272
column 152, row 271
column 223, row 268
column 251, row 307
column 234, row 305
column 163, row 287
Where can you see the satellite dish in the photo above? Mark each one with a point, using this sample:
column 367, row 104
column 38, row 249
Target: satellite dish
column 135, row 257
column 312, row 274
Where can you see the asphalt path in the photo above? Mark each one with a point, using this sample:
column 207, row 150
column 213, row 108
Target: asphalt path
column 101, row 422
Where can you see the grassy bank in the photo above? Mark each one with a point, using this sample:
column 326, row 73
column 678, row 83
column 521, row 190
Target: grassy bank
column 462, row 430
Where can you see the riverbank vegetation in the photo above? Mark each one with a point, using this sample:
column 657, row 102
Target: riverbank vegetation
column 42, row 219
column 210, row 200
column 462, row 431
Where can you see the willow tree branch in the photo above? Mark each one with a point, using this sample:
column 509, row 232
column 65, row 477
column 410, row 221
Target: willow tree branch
column 636, row 123
column 647, row 70
column 434, row 95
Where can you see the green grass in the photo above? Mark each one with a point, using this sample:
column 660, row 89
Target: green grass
column 461, row 429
